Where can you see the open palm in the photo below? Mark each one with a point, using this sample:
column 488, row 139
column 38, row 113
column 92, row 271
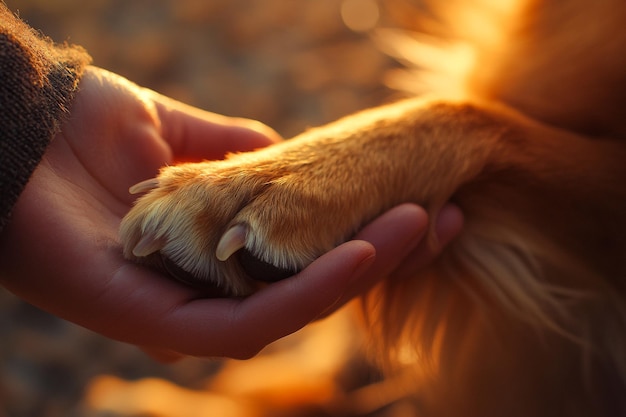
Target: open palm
column 61, row 250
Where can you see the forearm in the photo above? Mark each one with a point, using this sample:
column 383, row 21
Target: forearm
column 37, row 84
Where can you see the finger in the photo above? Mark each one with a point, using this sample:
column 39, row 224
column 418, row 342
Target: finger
column 241, row 328
column 394, row 235
column 196, row 134
column 448, row 225
column 162, row 355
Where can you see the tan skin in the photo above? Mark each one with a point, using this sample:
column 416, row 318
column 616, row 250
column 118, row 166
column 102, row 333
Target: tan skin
column 61, row 252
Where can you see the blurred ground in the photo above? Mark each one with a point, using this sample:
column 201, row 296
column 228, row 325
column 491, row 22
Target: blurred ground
column 291, row 64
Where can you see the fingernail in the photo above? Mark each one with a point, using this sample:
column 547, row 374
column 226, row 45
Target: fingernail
column 362, row 267
column 449, row 223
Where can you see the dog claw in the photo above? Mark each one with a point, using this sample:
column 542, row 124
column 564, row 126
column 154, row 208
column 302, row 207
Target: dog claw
column 233, row 240
column 147, row 245
column 144, row 186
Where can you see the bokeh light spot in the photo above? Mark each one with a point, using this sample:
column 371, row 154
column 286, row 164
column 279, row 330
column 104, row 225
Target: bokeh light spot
column 360, row 15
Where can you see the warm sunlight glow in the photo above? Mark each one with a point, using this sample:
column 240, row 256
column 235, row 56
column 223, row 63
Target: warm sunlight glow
column 299, row 371
column 433, row 64
column 158, row 397
column 447, row 64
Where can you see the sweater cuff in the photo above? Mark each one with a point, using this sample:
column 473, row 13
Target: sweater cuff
column 38, row 81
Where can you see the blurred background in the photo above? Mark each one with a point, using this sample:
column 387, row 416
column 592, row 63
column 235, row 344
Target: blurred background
column 288, row 63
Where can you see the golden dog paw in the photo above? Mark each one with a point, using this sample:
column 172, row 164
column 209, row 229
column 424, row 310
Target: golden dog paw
column 267, row 214
column 236, row 223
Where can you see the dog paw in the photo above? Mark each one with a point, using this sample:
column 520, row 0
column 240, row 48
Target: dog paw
column 233, row 224
column 265, row 215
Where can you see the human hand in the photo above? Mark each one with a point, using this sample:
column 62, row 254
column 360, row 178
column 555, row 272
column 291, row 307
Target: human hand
column 61, row 250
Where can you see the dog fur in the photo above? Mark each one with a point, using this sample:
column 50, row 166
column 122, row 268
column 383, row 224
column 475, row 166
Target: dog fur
column 520, row 121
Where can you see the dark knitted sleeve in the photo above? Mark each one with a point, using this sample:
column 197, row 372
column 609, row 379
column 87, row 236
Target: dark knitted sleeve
column 37, row 83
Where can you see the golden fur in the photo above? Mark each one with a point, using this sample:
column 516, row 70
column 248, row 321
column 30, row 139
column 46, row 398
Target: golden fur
column 525, row 313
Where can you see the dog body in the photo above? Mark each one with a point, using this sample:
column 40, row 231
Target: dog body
column 525, row 313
